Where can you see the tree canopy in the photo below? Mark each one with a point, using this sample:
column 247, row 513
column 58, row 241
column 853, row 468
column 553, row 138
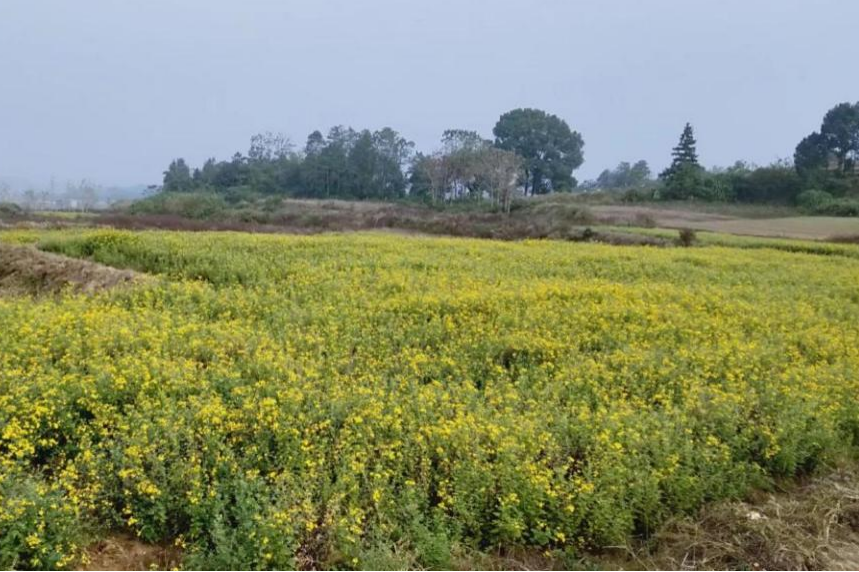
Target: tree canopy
column 550, row 149
column 177, row 177
column 625, row 176
column 383, row 165
column 684, row 156
column 840, row 130
column 828, row 159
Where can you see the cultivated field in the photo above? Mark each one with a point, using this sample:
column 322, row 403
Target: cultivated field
column 740, row 223
column 370, row 400
column 559, row 216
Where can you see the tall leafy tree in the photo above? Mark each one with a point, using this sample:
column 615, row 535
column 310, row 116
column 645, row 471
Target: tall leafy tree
column 362, row 164
column 811, row 154
column 550, row 149
column 269, row 146
column 420, row 183
column 313, row 172
column 828, row 159
column 437, row 168
column 639, row 174
column 394, row 152
column 205, row 176
column 177, row 177
column 232, row 173
column 334, row 159
column 498, row 172
column 840, row 129
column 456, row 140
column 625, row 175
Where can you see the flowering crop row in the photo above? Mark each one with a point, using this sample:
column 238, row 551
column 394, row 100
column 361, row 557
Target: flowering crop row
column 377, row 400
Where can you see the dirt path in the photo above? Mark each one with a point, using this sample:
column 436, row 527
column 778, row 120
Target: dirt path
column 24, row 270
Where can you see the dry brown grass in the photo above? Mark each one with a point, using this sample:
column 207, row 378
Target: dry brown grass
column 802, row 525
column 807, row 526
column 27, row 271
column 845, row 238
column 306, row 216
column 552, row 216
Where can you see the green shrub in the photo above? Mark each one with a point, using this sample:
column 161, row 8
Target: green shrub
column 188, row 205
column 823, row 203
column 841, row 207
column 241, row 195
column 687, row 237
column 10, row 209
column 39, row 527
column 776, row 183
column 693, row 182
column 813, row 200
column 638, row 195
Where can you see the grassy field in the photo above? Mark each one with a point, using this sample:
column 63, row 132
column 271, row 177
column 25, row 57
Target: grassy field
column 739, row 223
column 557, row 216
column 370, row 400
column 813, row 227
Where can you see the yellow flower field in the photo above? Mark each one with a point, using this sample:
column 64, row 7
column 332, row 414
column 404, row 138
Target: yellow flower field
column 368, row 400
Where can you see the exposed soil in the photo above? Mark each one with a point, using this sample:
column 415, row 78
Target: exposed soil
column 663, row 217
column 124, row 552
column 24, row 270
column 802, row 227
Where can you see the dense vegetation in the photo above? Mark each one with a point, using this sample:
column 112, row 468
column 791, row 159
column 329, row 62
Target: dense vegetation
column 377, row 401
column 533, row 153
column 823, row 178
column 382, row 165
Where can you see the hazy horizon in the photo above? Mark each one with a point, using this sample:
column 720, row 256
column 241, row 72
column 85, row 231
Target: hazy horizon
column 113, row 91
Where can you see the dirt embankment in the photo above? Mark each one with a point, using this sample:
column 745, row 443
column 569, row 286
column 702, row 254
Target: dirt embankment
column 24, row 270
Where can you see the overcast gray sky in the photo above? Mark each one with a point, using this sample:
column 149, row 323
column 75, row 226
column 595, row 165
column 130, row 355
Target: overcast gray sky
column 112, row 90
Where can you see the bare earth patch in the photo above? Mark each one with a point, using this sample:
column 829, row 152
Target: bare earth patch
column 802, row 227
column 662, row 217
column 124, row 552
column 24, row 270
column 806, row 227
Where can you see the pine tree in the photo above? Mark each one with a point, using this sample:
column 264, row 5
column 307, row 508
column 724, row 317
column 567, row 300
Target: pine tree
column 684, row 155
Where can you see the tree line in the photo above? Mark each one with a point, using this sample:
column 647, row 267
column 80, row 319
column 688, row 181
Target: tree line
column 823, row 176
column 532, row 152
